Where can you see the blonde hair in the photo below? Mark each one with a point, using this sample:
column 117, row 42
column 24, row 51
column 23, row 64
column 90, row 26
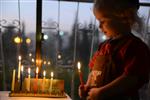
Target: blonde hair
column 126, row 10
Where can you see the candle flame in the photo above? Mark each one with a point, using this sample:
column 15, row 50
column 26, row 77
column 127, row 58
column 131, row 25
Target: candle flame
column 52, row 74
column 29, row 71
column 79, row 65
column 32, row 59
column 37, row 70
column 19, row 57
column 44, row 73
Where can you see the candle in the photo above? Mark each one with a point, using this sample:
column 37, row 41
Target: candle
column 13, row 81
column 52, row 75
column 28, row 80
column 37, row 71
column 19, row 66
column 43, row 83
column 22, row 68
column 21, row 77
column 22, row 73
column 80, row 73
column 44, row 74
column 36, row 81
column 51, row 82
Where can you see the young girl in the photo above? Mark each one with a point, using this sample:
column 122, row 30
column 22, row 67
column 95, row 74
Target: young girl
column 120, row 67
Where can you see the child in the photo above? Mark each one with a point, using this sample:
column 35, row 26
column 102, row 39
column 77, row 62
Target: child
column 120, row 67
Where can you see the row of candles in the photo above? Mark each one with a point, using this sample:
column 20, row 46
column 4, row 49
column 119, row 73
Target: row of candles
column 20, row 68
column 29, row 78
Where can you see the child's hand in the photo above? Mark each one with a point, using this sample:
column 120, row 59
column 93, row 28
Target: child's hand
column 82, row 91
column 94, row 94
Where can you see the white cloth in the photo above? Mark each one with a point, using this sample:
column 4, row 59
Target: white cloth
column 4, row 95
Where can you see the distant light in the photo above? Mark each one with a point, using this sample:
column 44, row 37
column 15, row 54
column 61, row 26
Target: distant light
column 49, row 63
column 30, row 54
column 61, row 33
column 17, row 40
column 45, row 37
column 28, row 40
column 32, row 59
column 104, row 37
column 59, row 56
column 44, row 62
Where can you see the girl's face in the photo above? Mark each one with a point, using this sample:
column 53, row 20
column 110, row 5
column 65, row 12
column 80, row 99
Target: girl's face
column 110, row 25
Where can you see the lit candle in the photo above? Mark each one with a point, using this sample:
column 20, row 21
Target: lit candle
column 52, row 75
column 43, row 83
column 44, row 74
column 13, row 81
column 37, row 71
column 22, row 68
column 36, row 80
column 19, row 67
column 80, row 73
column 51, row 82
column 28, row 80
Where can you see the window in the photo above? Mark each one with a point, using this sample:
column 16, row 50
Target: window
column 61, row 20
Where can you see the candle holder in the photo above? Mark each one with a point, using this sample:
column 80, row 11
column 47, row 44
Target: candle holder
column 44, row 87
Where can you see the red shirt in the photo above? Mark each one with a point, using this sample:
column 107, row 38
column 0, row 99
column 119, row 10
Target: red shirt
column 132, row 56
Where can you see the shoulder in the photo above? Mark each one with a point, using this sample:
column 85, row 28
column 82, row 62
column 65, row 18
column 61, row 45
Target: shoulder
column 136, row 57
column 136, row 44
column 134, row 47
column 137, row 51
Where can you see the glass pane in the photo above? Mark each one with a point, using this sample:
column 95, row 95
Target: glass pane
column 144, row 32
column 145, row 1
column 16, row 19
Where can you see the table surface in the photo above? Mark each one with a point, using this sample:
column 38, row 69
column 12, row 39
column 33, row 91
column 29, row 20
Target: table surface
column 4, row 95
